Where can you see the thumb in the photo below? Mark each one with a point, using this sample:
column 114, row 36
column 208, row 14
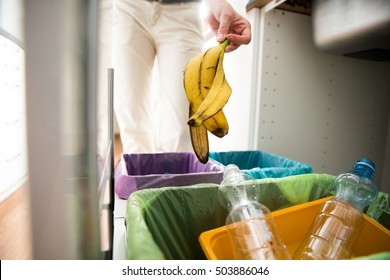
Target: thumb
column 223, row 28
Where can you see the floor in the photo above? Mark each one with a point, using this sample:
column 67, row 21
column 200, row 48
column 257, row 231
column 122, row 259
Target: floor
column 117, row 148
column 15, row 229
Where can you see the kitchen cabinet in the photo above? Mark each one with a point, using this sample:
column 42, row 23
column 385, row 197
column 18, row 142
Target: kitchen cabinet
column 323, row 109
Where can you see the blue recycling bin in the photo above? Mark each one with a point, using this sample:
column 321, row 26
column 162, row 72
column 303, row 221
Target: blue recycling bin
column 260, row 164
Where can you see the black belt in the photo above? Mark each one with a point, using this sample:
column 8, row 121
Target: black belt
column 173, row 1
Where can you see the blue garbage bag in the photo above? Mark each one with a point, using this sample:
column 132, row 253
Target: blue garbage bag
column 260, row 164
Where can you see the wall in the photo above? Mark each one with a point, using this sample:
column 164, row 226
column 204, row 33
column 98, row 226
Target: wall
column 238, row 70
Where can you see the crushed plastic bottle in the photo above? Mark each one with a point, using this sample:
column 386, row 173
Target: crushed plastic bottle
column 337, row 227
column 249, row 223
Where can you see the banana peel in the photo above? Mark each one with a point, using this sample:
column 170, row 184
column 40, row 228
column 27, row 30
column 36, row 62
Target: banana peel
column 199, row 141
column 219, row 92
column 207, row 91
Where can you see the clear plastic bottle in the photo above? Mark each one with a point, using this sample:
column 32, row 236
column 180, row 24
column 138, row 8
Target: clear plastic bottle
column 337, row 227
column 249, row 223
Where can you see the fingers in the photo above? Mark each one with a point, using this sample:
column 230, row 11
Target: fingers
column 228, row 24
column 223, row 29
column 231, row 47
column 239, row 39
column 238, row 32
column 235, row 39
column 221, row 37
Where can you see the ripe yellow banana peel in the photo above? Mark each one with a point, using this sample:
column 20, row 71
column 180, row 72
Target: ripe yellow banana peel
column 207, row 92
column 199, row 141
column 217, row 124
column 215, row 86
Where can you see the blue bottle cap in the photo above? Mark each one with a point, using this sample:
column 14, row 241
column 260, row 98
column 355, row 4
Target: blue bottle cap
column 365, row 166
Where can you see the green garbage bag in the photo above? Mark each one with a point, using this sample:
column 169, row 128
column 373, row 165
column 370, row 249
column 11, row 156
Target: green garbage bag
column 379, row 210
column 165, row 223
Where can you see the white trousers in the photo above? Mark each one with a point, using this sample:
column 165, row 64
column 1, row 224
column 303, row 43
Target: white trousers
column 152, row 118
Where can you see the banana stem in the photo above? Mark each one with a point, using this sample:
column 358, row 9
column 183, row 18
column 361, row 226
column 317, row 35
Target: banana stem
column 224, row 44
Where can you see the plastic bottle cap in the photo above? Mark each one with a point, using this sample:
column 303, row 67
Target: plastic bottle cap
column 230, row 169
column 365, row 165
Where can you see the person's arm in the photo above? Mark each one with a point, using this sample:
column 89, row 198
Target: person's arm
column 227, row 23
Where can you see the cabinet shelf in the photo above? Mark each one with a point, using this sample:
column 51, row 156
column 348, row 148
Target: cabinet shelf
column 296, row 6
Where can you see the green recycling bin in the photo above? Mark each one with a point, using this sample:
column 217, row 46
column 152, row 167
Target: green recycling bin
column 165, row 223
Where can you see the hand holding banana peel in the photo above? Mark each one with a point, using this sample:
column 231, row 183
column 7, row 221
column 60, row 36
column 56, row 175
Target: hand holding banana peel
column 207, row 92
